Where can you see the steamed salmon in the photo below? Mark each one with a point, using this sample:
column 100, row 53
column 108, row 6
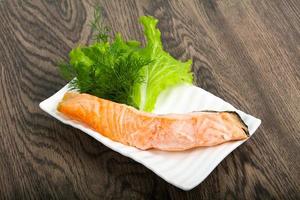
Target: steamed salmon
column 170, row 132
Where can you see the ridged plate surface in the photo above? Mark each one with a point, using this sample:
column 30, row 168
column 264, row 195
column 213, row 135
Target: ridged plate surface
column 184, row 169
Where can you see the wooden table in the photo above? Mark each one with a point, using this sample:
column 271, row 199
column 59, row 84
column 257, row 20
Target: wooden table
column 246, row 52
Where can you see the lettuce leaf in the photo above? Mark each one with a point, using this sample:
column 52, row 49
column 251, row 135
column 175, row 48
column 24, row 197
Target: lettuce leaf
column 163, row 71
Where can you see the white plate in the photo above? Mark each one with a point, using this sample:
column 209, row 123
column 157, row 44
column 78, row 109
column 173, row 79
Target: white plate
column 184, row 169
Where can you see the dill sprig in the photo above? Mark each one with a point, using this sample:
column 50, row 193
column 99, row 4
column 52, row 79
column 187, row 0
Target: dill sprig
column 100, row 30
column 107, row 69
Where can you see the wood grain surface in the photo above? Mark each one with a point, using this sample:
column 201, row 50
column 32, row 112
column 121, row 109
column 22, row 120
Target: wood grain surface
column 246, row 52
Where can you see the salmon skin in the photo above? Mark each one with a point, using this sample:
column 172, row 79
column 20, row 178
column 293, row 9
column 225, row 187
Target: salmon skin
column 170, row 132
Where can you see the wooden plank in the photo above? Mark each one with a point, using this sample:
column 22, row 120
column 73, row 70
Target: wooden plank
column 246, row 52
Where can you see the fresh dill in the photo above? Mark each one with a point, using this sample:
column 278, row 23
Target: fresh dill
column 100, row 30
column 107, row 69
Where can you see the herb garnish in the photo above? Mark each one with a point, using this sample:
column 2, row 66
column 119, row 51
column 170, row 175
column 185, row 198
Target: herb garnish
column 123, row 71
column 104, row 69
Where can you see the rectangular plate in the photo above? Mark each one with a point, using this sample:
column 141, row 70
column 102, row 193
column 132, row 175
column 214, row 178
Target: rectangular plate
column 184, row 169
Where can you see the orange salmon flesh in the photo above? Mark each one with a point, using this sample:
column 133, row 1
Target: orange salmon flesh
column 169, row 132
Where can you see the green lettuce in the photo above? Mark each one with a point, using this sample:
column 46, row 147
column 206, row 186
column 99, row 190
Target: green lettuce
column 162, row 72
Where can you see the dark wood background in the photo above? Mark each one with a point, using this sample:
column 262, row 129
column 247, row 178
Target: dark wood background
column 246, row 52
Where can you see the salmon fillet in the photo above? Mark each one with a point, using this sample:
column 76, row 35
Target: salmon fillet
column 170, row 132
